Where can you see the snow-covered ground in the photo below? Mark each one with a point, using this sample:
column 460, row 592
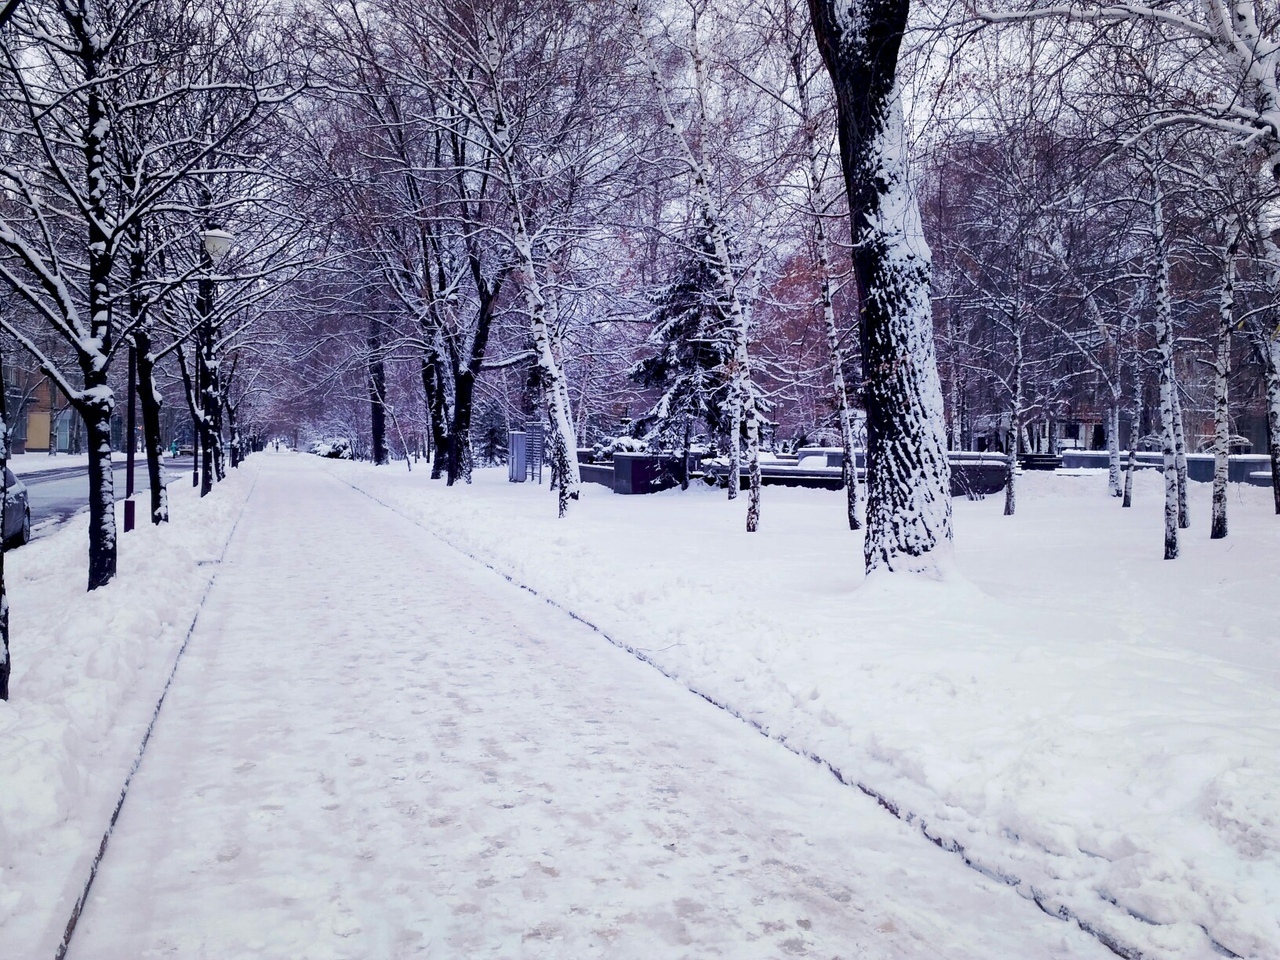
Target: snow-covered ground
column 374, row 748
column 25, row 463
column 88, row 669
column 1097, row 726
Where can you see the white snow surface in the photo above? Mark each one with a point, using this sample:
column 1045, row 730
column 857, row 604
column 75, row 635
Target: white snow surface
column 1096, row 725
column 88, row 670
column 376, row 748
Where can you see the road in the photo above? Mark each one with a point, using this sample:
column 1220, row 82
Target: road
column 376, row 748
column 57, row 495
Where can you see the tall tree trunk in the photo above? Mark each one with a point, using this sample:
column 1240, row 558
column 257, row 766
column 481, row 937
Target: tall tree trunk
column 1134, row 429
column 97, row 401
column 1015, row 424
column 433, row 391
column 149, row 396
column 1271, row 367
column 1180, row 455
column 464, row 381
column 564, row 443
column 96, row 413
column 908, row 475
column 1221, row 381
column 1113, row 438
column 6, row 665
column 377, row 394
column 735, row 449
column 460, row 452
column 233, row 433
column 1164, row 347
column 150, row 400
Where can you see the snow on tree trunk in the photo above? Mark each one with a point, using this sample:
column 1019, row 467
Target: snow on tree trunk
column 850, row 469
column 564, row 442
column 752, row 420
column 148, row 391
column 151, row 401
column 908, row 476
column 1164, row 347
column 735, row 444
column 1180, row 455
column 97, row 402
column 1221, row 376
column 96, row 405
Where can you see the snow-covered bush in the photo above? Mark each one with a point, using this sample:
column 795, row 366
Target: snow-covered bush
column 335, row 448
column 606, row 448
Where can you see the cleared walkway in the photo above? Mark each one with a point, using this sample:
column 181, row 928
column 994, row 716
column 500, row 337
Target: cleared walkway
column 377, row 749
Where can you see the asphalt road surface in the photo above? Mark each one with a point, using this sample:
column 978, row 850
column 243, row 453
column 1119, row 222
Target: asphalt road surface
column 57, row 495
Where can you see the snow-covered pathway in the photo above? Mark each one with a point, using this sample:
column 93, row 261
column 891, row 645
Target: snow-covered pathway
column 374, row 748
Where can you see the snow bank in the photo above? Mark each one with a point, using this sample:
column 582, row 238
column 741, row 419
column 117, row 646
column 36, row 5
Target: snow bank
column 88, row 669
column 1086, row 721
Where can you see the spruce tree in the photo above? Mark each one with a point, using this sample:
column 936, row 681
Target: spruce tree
column 692, row 354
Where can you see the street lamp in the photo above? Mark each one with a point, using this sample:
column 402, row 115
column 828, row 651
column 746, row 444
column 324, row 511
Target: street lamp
column 217, row 243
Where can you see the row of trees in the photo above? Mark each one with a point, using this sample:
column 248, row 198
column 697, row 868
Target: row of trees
column 702, row 219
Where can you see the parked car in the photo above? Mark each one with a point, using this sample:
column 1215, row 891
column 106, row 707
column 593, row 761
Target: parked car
column 17, row 511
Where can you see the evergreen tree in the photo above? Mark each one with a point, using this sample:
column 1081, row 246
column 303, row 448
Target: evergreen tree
column 693, row 351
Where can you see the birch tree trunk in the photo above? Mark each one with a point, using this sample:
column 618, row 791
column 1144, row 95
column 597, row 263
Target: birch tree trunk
column 564, row 443
column 908, row 475
column 1180, row 453
column 1221, row 377
column 1133, row 446
column 1113, row 439
column 1015, row 423
column 1164, row 347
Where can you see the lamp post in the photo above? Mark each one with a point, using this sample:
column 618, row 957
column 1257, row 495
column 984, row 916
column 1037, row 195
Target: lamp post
column 215, row 243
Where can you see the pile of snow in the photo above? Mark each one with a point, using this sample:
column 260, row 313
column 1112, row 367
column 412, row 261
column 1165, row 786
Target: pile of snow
column 88, row 670
column 1084, row 720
